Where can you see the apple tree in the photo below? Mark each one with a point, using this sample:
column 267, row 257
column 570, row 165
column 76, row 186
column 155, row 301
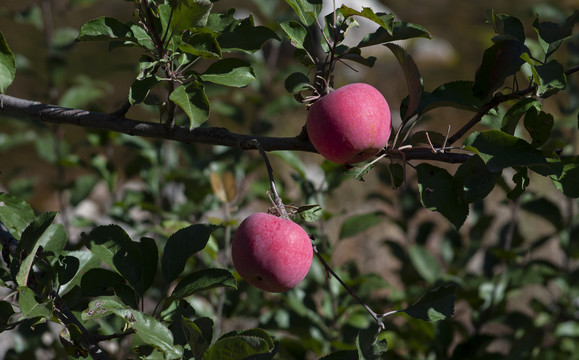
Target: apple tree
column 236, row 195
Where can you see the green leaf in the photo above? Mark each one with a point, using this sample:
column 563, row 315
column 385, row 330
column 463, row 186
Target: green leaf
column 105, row 306
column 552, row 35
column 199, row 333
column 201, row 42
column 292, row 159
column 150, row 256
column 386, row 21
column 99, row 282
column 115, row 248
column 243, row 35
column 15, row 213
column 413, row 79
column 307, row 10
column 506, row 25
column 552, row 78
column 521, row 180
column 400, row 31
column 141, row 88
column 499, row 150
column 500, row 61
column 203, row 280
column 297, row 34
column 193, row 100
column 355, row 54
column 539, row 125
column 86, row 261
column 368, row 347
column 6, row 313
column 437, row 193
column 515, row 112
column 181, row 246
column 358, row 172
column 241, row 345
column 425, row 263
column 67, row 268
column 567, row 182
column 437, row 304
column 357, row 224
column 473, row 180
column 230, row 72
column 456, row 94
column 105, row 28
column 30, row 307
column 7, row 65
column 29, row 244
column 190, row 14
column 310, row 213
column 154, row 333
column 297, row 82
column 54, row 239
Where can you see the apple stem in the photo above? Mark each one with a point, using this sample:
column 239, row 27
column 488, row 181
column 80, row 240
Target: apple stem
column 375, row 315
column 279, row 206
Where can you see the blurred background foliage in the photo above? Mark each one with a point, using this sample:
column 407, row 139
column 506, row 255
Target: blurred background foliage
column 514, row 262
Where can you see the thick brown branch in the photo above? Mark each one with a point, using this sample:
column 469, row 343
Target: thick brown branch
column 21, row 108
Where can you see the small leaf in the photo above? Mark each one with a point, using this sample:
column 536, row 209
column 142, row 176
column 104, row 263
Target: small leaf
column 181, row 245
column 567, row 182
column 190, row 14
column 243, row 35
column 499, row 150
column 193, row 100
column 413, row 79
column 521, row 180
column 150, row 256
column 307, row 10
column 141, row 88
column 357, row 224
column 438, row 194
column 241, row 345
column 7, row 65
column 500, row 61
column 6, row 313
column 223, row 185
column 230, row 72
column 203, row 280
column 474, row 180
column 425, row 263
column 310, row 213
column 15, row 213
column 539, row 125
column 297, row 82
column 105, row 28
column 297, row 34
column 515, row 112
column 385, row 21
column 358, row 172
column 199, row 333
column 400, row 31
column 552, row 35
column 201, row 42
column 456, row 94
column 506, row 25
column 437, row 304
column 368, row 346
column 30, row 307
column 552, row 78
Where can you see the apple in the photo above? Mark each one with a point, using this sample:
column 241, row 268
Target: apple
column 350, row 124
column 271, row 253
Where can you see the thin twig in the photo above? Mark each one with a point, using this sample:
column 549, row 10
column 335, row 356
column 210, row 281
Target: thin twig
column 280, row 207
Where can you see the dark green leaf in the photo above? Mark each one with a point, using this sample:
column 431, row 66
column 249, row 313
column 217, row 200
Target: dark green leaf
column 201, row 42
column 567, row 183
column 500, row 61
column 355, row 54
column 140, row 89
column 384, row 20
column 413, row 79
column 506, row 25
column 203, row 280
column 474, row 180
column 515, row 112
column 297, row 82
column 105, row 28
column 425, row 263
column 100, row 282
column 552, row 35
column 357, row 224
column 400, row 31
column 368, row 347
column 86, row 261
column 241, row 345
column 230, row 72
column 457, row 94
column 6, row 312
column 29, row 244
column 114, row 247
column 190, row 14
column 437, row 304
column 15, row 213
column 307, row 10
column 181, row 246
column 437, row 193
column 499, row 150
column 539, row 125
column 193, row 100
column 552, row 78
column 199, row 333
column 150, row 255
column 521, row 180
column 297, row 34
column 67, row 269
column 244, row 36
column 7, row 65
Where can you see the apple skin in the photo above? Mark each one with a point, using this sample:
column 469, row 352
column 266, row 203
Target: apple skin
column 271, row 253
column 350, row 124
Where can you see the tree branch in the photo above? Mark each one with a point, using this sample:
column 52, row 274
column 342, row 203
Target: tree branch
column 22, row 108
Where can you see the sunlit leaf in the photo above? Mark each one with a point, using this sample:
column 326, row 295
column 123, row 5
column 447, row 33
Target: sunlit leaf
column 7, row 65
column 105, row 28
column 230, row 72
column 193, row 100
column 307, row 10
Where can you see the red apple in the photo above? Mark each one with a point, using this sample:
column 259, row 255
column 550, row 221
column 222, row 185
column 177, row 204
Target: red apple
column 271, row 253
column 350, row 124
